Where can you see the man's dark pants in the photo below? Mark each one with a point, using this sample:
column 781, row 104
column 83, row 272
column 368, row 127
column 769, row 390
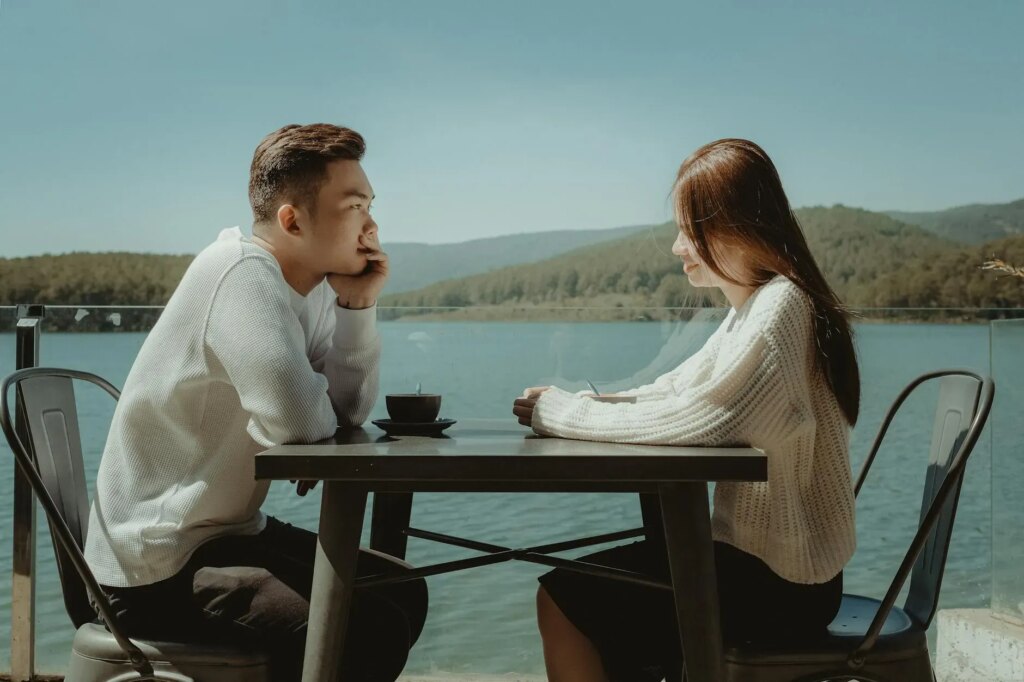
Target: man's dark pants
column 254, row 590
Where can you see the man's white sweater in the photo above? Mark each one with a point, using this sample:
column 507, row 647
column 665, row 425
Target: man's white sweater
column 752, row 383
column 238, row 362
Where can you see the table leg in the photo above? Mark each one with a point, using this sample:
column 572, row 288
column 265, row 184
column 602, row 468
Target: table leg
column 650, row 511
column 685, row 513
column 392, row 513
column 337, row 549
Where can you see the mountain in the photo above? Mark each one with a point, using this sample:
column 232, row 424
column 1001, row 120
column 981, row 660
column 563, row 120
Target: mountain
column 853, row 246
column 952, row 280
column 115, row 278
column 122, row 278
column 972, row 224
column 871, row 258
column 416, row 265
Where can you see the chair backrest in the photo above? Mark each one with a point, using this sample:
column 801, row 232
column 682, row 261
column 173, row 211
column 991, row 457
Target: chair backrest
column 957, row 405
column 47, row 409
column 964, row 402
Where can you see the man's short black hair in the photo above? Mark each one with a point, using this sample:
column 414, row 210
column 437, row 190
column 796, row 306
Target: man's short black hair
column 290, row 165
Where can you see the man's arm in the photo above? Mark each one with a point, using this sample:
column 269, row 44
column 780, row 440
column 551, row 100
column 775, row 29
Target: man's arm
column 351, row 364
column 347, row 353
column 256, row 337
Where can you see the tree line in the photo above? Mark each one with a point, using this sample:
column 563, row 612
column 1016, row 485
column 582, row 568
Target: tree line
column 871, row 259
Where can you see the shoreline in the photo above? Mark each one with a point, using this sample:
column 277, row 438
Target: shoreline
column 561, row 315
column 433, row 677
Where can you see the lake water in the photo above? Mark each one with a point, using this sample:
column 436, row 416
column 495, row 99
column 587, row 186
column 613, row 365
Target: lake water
column 482, row 620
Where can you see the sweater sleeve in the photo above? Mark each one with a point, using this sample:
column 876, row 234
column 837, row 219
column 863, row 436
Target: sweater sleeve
column 749, row 398
column 347, row 352
column 256, row 337
column 672, row 382
column 687, row 372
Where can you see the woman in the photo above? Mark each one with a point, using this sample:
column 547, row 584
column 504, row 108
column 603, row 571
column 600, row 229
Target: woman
column 780, row 374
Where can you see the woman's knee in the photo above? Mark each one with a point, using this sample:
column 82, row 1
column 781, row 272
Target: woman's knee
column 550, row 618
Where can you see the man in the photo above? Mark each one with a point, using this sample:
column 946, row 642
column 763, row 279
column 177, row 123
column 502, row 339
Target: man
column 265, row 341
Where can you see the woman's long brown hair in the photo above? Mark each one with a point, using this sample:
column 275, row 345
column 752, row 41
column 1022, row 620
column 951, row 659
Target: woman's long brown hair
column 728, row 195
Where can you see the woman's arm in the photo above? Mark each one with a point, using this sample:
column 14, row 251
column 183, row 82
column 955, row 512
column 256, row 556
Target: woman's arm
column 675, row 380
column 670, row 383
column 756, row 393
column 712, row 413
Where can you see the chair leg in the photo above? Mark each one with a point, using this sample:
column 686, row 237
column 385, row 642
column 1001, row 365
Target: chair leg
column 913, row 670
column 916, row 669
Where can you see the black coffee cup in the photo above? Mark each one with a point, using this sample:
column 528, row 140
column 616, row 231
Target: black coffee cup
column 413, row 408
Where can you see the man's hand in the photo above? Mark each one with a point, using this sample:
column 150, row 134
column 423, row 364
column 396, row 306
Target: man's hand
column 303, row 487
column 362, row 290
column 523, row 406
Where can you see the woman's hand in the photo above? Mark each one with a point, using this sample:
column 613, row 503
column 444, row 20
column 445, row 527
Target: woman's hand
column 523, row 406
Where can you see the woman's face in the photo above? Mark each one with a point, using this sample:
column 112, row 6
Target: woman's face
column 699, row 274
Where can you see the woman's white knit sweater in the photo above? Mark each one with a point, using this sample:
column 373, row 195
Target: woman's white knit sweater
column 238, row 362
column 753, row 383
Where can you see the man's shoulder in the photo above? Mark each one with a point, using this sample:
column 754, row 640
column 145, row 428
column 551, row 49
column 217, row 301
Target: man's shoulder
column 229, row 250
column 229, row 245
column 229, row 260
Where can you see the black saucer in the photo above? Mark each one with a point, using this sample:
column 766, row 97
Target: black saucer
column 393, row 428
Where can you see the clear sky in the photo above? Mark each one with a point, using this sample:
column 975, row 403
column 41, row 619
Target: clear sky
column 130, row 125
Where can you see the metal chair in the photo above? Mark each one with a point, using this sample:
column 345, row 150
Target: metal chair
column 52, row 462
column 877, row 641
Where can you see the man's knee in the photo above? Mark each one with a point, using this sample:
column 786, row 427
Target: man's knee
column 411, row 595
column 252, row 598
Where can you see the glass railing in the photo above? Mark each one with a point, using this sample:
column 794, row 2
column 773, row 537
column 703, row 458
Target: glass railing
column 1008, row 469
column 480, row 359
column 8, row 320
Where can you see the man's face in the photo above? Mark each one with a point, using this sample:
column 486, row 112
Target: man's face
column 341, row 232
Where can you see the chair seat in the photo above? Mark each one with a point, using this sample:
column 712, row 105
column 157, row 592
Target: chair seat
column 94, row 641
column 900, row 637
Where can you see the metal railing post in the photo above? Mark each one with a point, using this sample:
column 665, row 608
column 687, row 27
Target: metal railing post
column 23, row 588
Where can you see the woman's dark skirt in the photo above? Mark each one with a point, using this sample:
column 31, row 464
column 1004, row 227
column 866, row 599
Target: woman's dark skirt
column 635, row 629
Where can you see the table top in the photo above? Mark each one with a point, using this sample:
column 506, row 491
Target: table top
column 500, row 455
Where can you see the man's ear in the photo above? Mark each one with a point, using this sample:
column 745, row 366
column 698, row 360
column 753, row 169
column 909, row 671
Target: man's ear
column 287, row 219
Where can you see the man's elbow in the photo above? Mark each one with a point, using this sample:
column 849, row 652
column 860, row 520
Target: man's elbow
column 354, row 410
column 270, row 433
column 351, row 421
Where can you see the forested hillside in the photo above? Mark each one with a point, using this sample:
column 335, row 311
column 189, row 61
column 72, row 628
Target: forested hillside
column 853, row 246
column 118, row 278
column 972, row 224
column 872, row 259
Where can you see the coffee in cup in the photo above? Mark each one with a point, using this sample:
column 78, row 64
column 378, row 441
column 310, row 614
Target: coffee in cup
column 413, row 408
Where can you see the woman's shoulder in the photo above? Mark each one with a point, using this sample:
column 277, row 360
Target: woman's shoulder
column 780, row 305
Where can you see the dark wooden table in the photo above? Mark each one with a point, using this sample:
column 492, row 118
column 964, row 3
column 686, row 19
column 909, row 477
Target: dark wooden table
column 500, row 456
